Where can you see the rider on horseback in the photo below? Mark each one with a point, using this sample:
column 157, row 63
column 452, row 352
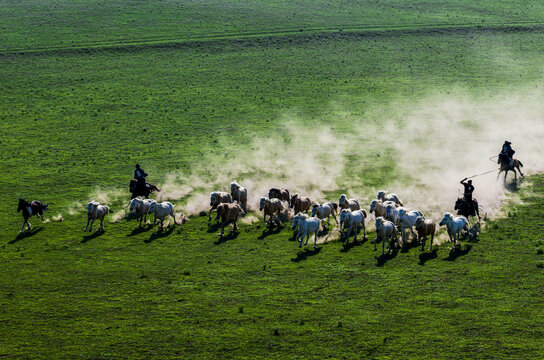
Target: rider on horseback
column 508, row 152
column 139, row 176
column 467, row 194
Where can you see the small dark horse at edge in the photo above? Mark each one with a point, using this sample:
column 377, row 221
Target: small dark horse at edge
column 30, row 209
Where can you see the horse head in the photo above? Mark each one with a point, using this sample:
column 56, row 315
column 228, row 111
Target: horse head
column 459, row 203
column 447, row 218
column 22, row 205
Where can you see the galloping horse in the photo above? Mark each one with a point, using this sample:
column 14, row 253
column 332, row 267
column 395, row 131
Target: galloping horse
column 506, row 166
column 463, row 208
column 136, row 190
column 33, row 208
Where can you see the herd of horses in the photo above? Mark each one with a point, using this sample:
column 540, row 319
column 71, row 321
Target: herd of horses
column 308, row 217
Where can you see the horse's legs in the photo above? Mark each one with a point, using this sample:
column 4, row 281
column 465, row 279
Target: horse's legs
column 383, row 246
column 210, row 215
column 519, row 169
column 86, row 227
column 92, row 222
column 23, row 227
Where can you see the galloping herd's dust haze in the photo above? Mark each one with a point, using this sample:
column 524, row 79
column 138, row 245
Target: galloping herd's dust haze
column 435, row 143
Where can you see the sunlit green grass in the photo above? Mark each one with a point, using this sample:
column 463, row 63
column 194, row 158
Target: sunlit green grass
column 77, row 121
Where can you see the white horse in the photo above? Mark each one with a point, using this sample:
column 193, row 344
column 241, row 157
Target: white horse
column 352, row 204
column 162, row 210
column 239, row 194
column 306, row 227
column 407, row 220
column 388, row 197
column 392, row 213
column 96, row 211
column 352, row 219
column 141, row 208
column 325, row 211
column 454, row 224
column 385, row 230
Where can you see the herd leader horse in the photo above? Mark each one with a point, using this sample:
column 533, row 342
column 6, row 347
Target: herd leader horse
column 136, row 190
column 506, row 165
column 33, row 208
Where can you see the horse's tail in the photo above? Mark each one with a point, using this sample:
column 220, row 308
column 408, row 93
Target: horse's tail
column 520, row 163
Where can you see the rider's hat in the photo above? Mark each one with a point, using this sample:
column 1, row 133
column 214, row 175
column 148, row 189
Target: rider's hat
column 507, row 142
column 137, row 166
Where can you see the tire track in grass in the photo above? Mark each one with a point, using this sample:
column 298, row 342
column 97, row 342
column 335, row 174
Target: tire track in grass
column 362, row 30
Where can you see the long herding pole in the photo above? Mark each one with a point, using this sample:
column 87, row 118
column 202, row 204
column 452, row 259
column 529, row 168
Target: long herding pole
column 487, row 172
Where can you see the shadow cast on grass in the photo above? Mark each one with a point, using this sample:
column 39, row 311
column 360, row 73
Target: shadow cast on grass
column 96, row 234
column 231, row 236
column 383, row 259
column 26, row 234
column 426, row 256
column 457, row 252
column 140, row 230
column 348, row 246
column 213, row 227
column 514, row 185
column 305, row 254
column 472, row 234
column 270, row 231
column 159, row 234
column 409, row 245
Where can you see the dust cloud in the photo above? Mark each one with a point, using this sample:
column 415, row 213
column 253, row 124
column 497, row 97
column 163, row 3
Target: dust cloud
column 436, row 142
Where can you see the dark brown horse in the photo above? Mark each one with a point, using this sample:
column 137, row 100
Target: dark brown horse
column 137, row 190
column 282, row 194
column 506, row 165
column 30, row 209
column 464, row 208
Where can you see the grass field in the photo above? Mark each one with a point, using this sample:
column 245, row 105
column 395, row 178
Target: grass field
column 196, row 90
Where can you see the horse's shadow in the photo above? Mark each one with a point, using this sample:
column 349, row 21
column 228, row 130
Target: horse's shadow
column 472, row 234
column 213, row 227
column 514, row 185
column 426, row 256
column 348, row 246
column 305, row 254
column 159, row 234
column 140, row 230
column 383, row 259
column 231, row 236
column 96, row 234
column 457, row 252
column 409, row 245
column 270, row 231
column 26, row 234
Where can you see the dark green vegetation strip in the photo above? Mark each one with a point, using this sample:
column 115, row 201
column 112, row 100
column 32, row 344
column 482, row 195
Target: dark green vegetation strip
column 185, row 293
column 283, row 36
column 31, row 24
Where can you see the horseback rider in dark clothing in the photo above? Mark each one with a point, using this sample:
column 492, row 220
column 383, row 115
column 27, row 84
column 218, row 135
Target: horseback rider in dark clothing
column 508, row 152
column 139, row 176
column 467, row 194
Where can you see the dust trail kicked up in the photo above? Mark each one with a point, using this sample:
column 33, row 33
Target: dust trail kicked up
column 437, row 142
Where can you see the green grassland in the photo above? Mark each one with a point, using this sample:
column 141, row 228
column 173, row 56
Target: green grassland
column 198, row 81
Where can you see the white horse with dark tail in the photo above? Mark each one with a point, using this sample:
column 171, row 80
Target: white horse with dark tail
column 455, row 225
